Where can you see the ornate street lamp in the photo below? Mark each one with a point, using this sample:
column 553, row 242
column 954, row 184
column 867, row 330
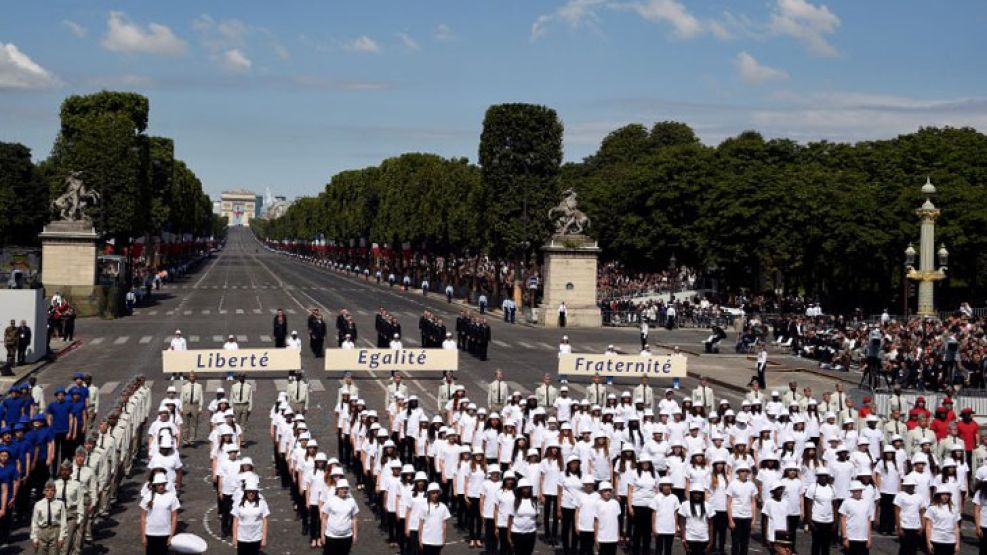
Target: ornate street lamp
column 927, row 274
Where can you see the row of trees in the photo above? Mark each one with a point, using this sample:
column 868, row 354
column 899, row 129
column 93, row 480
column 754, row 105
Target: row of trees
column 144, row 190
column 830, row 220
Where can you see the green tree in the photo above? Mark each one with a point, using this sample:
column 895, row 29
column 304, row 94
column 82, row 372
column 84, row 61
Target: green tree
column 23, row 196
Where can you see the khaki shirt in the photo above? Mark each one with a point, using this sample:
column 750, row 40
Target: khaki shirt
column 645, row 392
column 87, row 478
column 497, row 394
column 445, row 394
column 48, row 513
column 242, row 392
column 597, row 393
column 352, row 389
column 545, row 394
column 69, row 492
column 704, row 396
column 108, row 444
column 192, row 395
column 297, row 391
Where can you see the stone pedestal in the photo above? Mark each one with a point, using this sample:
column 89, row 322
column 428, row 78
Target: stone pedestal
column 68, row 262
column 570, row 276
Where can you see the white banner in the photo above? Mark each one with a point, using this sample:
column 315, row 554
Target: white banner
column 388, row 360
column 656, row 366
column 220, row 360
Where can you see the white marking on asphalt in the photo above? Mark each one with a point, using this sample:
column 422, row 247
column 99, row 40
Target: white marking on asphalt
column 290, row 311
column 145, row 339
column 108, row 387
column 193, row 339
column 544, row 345
column 273, row 310
column 136, row 313
column 257, row 311
column 223, row 311
column 265, row 339
column 170, row 312
column 187, row 313
column 96, row 341
column 526, row 345
column 217, row 339
column 241, row 338
column 240, row 311
column 153, row 313
column 363, row 313
column 500, row 343
column 316, row 386
column 121, row 340
column 206, row 312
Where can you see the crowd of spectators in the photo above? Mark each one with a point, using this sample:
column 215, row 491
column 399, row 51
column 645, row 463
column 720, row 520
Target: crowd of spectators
column 615, row 282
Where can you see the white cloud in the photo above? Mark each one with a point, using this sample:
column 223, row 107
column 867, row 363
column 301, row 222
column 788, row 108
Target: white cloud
column 18, row 71
column 574, row 12
column 807, row 23
column 280, row 51
column 673, row 12
column 443, row 33
column 76, row 29
column 409, row 42
column 235, row 61
column 719, row 31
column 753, row 71
column 123, row 35
column 363, row 43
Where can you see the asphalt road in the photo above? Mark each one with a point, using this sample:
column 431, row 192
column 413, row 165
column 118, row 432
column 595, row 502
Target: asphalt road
column 237, row 292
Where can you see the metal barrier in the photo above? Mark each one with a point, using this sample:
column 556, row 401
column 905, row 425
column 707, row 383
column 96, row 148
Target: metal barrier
column 632, row 318
column 977, row 402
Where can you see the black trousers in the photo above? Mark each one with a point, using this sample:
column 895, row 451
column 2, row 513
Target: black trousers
column 909, row 542
column 663, row 544
column 157, row 545
column 489, row 536
column 740, row 538
column 886, row 524
column 641, row 543
column 225, row 514
column 551, row 523
column 822, row 537
column 983, row 544
column 696, row 548
column 314, row 522
column 569, row 540
column 247, row 548
column 474, row 522
column 793, row 526
column 524, row 544
column 943, row 548
column 586, row 543
column 623, row 522
column 608, row 548
column 503, row 545
column 720, row 526
column 431, row 549
column 858, row 548
column 337, row 546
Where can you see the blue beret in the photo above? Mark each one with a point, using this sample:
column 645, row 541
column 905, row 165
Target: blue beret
column 13, row 389
column 39, row 418
column 6, row 430
column 77, row 376
column 25, row 387
column 25, row 419
column 19, row 427
column 59, row 389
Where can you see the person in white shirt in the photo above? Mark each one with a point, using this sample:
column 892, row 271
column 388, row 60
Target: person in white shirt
column 776, row 517
column 942, row 525
column 695, row 523
column 250, row 519
column 178, row 342
column 586, row 513
column 564, row 347
column 230, row 345
column 762, row 365
column 396, row 342
column 665, row 507
column 449, row 343
column 819, row 498
column 339, row 525
column 432, row 529
column 607, row 526
column 741, row 509
column 159, row 517
column 909, row 507
column 347, row 342
column 523, row 521
column 640, row 493
column 856, row 515
column 294, row 342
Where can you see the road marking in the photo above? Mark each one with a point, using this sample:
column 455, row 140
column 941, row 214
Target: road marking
column 96, row 341
column 363, row 313
column 240, row 311
column 273, row 310
column 217, row 339
column 136, row 313
column 526, row 345
column 167, row 340
column 206, row 312
column 241, row 338
column 153, row 313
column 316, row 386
column 514, row 386
column 223, row 311
column 265, row 339
column 544, row 345
column 108, row 387
column 290, row 311
column 170, row 312
column 145, row 339
column 213, row 385
column 187, row 313
column 121, row 340
column 257, row 311
column 500, row 343
column 193, row 339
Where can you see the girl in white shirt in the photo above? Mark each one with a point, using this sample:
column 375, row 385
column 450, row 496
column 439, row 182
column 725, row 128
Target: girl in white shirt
column 503, row 508
column 523, row 520
column 551, row 479
column 908, row 509
column 675, row 461
column 569, row 488
column 339, row 524
column 665, row 508
column 475, row 474
column 716, row 494
column 159, row 517
column 741, row 508
column 488, row 507
column 942, row 525
column 640, row 493
column 314, row 484
column 607, row 527
column 623, row 474
column 695, row 523
column 946, row 481
column 432, row 529
column 776, row 517
column 250, row 521
column 697, row 472
column 888, row 476
column 856, row 515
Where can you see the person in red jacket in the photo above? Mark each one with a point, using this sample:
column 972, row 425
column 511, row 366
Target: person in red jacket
column 867, row 408
column 939, row 424
column 969, row 431
column 919, row 408
column 947, row 405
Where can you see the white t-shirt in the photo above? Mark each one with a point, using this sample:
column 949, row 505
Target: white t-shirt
column 607, row 513
column 434, row 519
column 159, row 515
column 645, row 487
column 586, row 505
column 859, row 514
column 909, row 505
column 250, row 520
column 665, row 508
column 340, row 512
column 505, row 507
column 777, row 513
column 822, row 502
column 696, row 527
column 983, row 511
column 943, row 521
column 742, row 494
column 525, row 517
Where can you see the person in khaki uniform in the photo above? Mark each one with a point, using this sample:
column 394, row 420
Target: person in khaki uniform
column 90, row 493
column 243, row 400
column 191, row 397
column 297, row 390
column 48, row 523
column 69, row 492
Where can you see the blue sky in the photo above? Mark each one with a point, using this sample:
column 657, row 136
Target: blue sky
column 285, row 94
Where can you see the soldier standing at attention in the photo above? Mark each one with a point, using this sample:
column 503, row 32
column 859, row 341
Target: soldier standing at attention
column 280, row 329
column 191, row 398
column 316, row 333
column 243, row 401
column 48, row 523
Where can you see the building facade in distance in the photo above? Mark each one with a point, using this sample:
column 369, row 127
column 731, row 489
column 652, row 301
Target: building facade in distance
column 239, row 206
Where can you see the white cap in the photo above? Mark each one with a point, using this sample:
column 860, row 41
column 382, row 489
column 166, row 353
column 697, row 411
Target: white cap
column 605, row 486
column 524, row 483
column 342, row 483
column 248, row 460
column 856, row 485
column 171, row 389
column 909, row 480
column 433, row 487
column 166, row 442
column 159, row 479
column 251, row 483
column 588, row 479
column 320, row 457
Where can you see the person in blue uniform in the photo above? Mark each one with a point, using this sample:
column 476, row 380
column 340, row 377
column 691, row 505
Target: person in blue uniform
column 80, row 417
column 10, row 407
column 8, row 491
column 25, row 458
column 43, row 440
column 28, row 405
column 60, row 420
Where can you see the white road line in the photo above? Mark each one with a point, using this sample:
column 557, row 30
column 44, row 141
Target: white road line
column 121, row 340
column 240, row 311
column 187, row 313
column 167, row 340
column 526, row 345
column 316, row 386
column 500, row 343
column 153, row 313
column 206, row 312
column 170, row 312
column 363, row 313
column 273, row 310
column 145, row 339
column 241, row 338
column 223, row 311
column 217, row 339
column 108, row 388
column 518, row 387
column 193, row 339
column 544, row 345
column 257, row 311
column 265, row 339
column 137, row 313
column 290, row 311
column 96, row 341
